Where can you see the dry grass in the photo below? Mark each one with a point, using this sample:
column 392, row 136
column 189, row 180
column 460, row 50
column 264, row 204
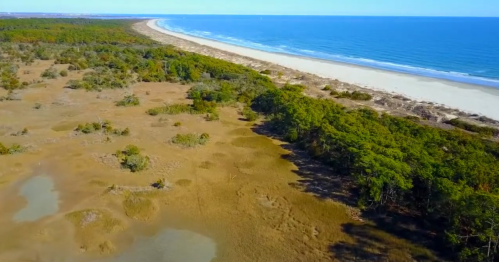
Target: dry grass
column 93, row 227
column 139, row 208
column 234, row 189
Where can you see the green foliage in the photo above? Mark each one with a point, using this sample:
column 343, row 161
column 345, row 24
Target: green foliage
column 160, row 184
column 177, row 124
column 174, row 109
column 266, row 72
column 14, row 149
column 249, row 114
column 103, row 126
column 327, row 88
column 294, row 88
column 482, row 130
column 130, row 100
column 50, row 73
column 212, row 116
column 71, row 31
column 8, row 76
column 63, row 73
column 446, row 177
column 355, row 95
column 102, row 78
column 190, row 140
column 131, row 158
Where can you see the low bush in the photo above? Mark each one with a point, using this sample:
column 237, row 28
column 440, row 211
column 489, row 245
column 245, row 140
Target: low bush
column 355, row 95
column 482, row 130
column 131, row 158
column 63, row 73
column 249, row 114
column 50, row 73
column 327, row 88
column 104, row 126
column 174, row 109
column 177, row 124
column 266, row 72
column 212, row 116
column 130, row 100
column 160, row 184
column 14, row 149
column 190, row 140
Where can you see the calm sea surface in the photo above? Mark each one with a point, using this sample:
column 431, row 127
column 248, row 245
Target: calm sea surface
column 459, row 49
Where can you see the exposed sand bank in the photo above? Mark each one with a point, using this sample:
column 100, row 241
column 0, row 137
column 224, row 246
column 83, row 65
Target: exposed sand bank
column 464, row 97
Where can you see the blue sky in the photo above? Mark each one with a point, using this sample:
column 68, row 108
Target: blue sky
column 311, row 7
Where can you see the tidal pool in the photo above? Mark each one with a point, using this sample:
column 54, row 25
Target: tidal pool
column 170, row 245
column 42, row 199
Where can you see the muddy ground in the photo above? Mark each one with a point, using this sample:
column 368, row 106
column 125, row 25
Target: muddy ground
column 241, row 190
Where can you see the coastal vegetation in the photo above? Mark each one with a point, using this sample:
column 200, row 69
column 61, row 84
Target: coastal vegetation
column 130, row 100
column 190, row 140
column 14, row 149
column 130, row 158
column 102, row 126
column 447, row 180
column 482, row 130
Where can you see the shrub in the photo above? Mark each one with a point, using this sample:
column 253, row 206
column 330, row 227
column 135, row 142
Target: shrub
column 294, row 88
column 50, row 73
column 160, row 184
column 174, row 109
column 130, row 100
column 105, row 125
column 131, row 158
column 327, row 88
column 249, row 114
column 190, row 140
column 266, row 72
column 14, row 149
column 334, row 93
column 279, row 74
column 37, row 106
column 482, row 130
column 63, row 73
column 177, row 124
column 212, row 117
column 355, row 95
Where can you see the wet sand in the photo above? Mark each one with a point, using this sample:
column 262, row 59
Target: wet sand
column 237, row 196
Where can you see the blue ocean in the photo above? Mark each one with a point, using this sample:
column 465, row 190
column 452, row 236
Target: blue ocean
column 459, row 49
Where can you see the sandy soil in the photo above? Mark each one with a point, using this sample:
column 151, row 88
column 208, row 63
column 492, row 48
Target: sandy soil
column 236, row 190
column 444, row 99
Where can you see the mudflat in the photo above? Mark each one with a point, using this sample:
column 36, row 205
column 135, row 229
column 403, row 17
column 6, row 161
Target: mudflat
column 233, row 199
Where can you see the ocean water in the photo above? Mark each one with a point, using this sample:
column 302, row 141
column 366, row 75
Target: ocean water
column 458, row 49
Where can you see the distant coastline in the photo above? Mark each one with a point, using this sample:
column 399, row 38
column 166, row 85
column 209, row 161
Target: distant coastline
column 465, row 97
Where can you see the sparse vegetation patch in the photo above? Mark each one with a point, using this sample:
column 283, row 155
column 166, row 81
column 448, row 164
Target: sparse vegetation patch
column 190, row 140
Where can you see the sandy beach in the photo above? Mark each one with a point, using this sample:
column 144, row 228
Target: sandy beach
column 464, row 97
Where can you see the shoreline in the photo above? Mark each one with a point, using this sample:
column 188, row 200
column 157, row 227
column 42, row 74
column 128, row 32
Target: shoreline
column 472, row 99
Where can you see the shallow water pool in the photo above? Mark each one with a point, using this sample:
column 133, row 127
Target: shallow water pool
column 170, row 245
column 42, row 199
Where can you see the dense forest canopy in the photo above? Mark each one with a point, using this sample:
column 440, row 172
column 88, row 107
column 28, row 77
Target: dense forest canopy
column 447, row 178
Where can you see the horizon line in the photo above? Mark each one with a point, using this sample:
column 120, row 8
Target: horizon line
column 346, row 15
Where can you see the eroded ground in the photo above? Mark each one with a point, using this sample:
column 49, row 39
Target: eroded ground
column 231, row 196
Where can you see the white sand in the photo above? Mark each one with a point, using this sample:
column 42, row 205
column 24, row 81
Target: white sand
column 465, row 97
